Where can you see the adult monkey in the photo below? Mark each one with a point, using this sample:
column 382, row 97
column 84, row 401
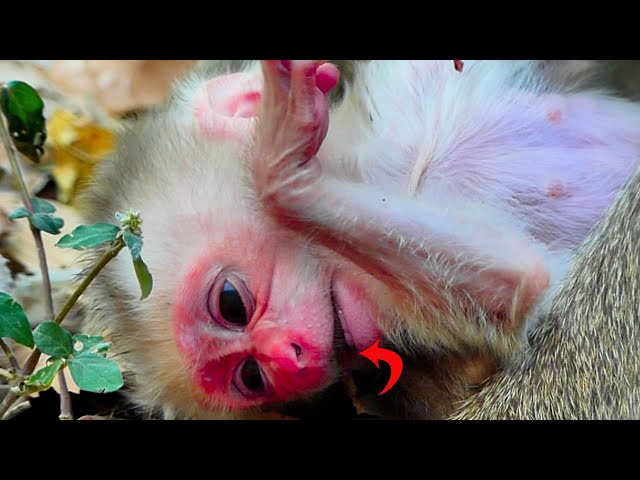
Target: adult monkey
column 583, row 361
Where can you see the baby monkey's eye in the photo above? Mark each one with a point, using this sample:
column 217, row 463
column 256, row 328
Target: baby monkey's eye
column 229, row 305
column 249, row 379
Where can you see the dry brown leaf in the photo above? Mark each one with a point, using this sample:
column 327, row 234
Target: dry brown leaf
column 119, row 86
column 76, row 145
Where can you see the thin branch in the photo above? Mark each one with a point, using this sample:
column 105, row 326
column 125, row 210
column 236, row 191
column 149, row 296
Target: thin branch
column 17, row 410
column 11, row 397
column 12, row 359
column 66, row 413
column 8, row 400
column 10, row 148
column 106, row 258
column 7, row 374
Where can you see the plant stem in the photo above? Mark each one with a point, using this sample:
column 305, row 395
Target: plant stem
column 106, row 258
column 8, row 400
column 12, row 359
column 7, row 374
column 9, row 147
column 65, row 400
column 17, row 410
column 32, row 361
column 12, row 155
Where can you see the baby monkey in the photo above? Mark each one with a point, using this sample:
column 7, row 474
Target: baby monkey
column 434, row 208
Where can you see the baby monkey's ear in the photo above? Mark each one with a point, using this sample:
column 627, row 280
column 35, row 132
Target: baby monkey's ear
column 226, row 106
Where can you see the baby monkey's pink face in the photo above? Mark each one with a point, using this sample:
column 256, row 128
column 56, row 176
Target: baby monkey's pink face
column 263, row 321
column 259, row 319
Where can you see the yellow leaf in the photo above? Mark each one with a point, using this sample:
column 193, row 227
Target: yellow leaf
column 76, row 145
column 62, row 129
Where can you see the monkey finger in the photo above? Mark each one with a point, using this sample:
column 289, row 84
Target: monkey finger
column 327, row 74
column 277, row 78
column 304, row 83
column 309, row 101
column 327, row 77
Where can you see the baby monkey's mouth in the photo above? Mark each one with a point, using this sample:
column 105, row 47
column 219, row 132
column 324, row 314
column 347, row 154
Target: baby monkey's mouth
column 345, row 353
column 342, row 336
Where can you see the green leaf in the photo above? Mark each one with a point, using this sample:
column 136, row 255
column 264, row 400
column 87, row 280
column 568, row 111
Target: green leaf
column 22, row 106
column 20, row 212
column 53, row 340
column 94, row 373
column 134, row 242
column 47, row 223
column 43, row 378
column 39, row 206
column 13, row 321
column 42, row 206
column 144, row 277
column 21, row 100
column 88, row 343
column 89, row 236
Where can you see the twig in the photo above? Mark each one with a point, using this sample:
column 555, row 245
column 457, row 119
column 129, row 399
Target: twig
column 11, row 397
column 12, row 358
column 17, row 410
column 106, row 258
column 65, row 400
column 6, row 374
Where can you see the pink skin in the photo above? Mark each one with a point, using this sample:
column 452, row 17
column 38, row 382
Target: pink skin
column 278, row 318
column 213, row 351
column 226, row 106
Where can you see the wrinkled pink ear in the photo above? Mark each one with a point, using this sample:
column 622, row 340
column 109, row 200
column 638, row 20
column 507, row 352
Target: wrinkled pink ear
column 226, row 106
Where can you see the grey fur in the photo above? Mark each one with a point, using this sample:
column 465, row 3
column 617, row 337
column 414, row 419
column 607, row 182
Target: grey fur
column 583, row 361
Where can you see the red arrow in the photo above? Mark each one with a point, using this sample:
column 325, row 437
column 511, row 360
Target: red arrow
column 375, row 353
